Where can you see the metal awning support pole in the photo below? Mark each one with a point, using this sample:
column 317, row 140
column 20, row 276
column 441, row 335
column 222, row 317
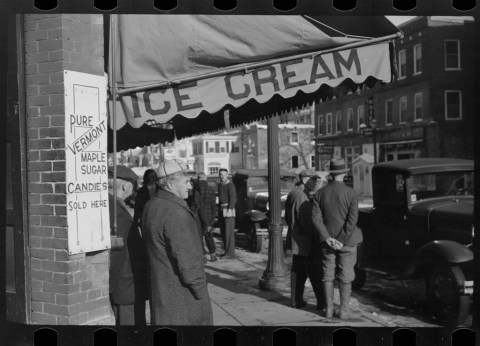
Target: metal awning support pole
column 276, row 275
column 113, row 85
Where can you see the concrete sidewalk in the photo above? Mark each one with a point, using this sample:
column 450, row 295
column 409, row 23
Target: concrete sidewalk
column 237, row 299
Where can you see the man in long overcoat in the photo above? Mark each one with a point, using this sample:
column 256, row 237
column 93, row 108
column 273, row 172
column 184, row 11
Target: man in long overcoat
column 334, row 215
column 298, row 215
column 127, row 304
column 177, row 273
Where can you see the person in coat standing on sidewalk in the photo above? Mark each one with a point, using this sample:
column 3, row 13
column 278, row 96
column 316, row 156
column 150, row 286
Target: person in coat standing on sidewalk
column 179, row 294
column 123, row 291
column 207, row 195
column 195, row 202
column 334, row 216
column 298, row 215
column 227, row 198
column 145, row 193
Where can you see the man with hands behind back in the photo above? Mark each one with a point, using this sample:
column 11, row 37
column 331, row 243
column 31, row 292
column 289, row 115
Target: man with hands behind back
column 334, row 215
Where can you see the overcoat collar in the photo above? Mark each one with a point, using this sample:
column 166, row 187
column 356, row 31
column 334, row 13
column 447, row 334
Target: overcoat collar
column 173, row 198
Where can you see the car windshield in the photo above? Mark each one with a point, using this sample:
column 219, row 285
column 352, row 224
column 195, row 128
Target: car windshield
column 424, row 186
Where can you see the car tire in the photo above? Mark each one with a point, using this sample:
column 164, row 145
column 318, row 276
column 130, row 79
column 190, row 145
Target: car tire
column 254, row 241
column 360, row 278
column 447, row 304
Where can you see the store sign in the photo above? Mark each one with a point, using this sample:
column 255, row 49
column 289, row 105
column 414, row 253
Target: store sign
column 86, row 162
column 403, row 134
column 325, row 149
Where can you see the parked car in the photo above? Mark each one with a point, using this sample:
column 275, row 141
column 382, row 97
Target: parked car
column 252, row 204
column 421, row 225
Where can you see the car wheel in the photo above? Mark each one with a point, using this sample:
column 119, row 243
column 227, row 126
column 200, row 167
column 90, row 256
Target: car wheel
column 254, row 240
column 360, row 278
column 448, row 305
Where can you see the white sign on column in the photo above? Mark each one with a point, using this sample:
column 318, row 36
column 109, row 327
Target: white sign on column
column 86, row 162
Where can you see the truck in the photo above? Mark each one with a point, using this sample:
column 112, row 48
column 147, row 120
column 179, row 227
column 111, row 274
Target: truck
column 421, row 226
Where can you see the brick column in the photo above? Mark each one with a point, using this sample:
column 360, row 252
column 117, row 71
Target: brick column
column 64, row 289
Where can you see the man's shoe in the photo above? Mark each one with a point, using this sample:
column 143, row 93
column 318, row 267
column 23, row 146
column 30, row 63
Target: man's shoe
column 299, row 305
column 213, row 258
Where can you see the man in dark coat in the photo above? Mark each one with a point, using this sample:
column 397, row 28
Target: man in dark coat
column 195, row 202
column 303, row 176
column 121, row 281
column 334, row 215
column 136, row 245
column 179, row 294
column 227, row 198
column 209, row 205
column 298, row 209
column 145, row 193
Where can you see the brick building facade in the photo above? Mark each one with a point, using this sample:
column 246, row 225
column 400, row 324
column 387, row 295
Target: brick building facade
column 427, row 112
column 46, row 285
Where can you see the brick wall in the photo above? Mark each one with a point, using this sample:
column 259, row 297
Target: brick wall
column 64, row 289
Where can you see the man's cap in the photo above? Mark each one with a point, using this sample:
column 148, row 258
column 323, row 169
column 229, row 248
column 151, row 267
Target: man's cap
column 338, row 166
column 169, row 167
column 307, row 173
column 123, row 172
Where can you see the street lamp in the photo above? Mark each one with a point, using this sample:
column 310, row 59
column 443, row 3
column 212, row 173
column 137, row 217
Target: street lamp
column 370, row 130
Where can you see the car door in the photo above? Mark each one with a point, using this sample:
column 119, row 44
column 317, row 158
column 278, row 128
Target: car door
column 391, row 218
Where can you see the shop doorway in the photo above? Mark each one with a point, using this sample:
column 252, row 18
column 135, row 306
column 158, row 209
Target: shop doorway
column 13, row 174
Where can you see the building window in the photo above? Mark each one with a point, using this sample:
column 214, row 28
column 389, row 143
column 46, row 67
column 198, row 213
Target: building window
column 312, row 160
column 320, row 124
column 351, row 153
column 235, row 148
column 452, row 55
column 213, row 168
column 453, row 105
column 228, row 146
column 402, row 109
column 217, row 146
column 206, row 148
column 402, row 64
column 361, row 115
column 294, row 161
column 350, row 119
column 417, row 59
column 182, row 153
column 418, row 115
column 329, row 123
column 388, row 112
column 338, row 121
column 294, row 137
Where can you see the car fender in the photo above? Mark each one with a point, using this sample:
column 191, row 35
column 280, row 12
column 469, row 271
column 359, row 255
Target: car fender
column 255, row 215
column 446, row 250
